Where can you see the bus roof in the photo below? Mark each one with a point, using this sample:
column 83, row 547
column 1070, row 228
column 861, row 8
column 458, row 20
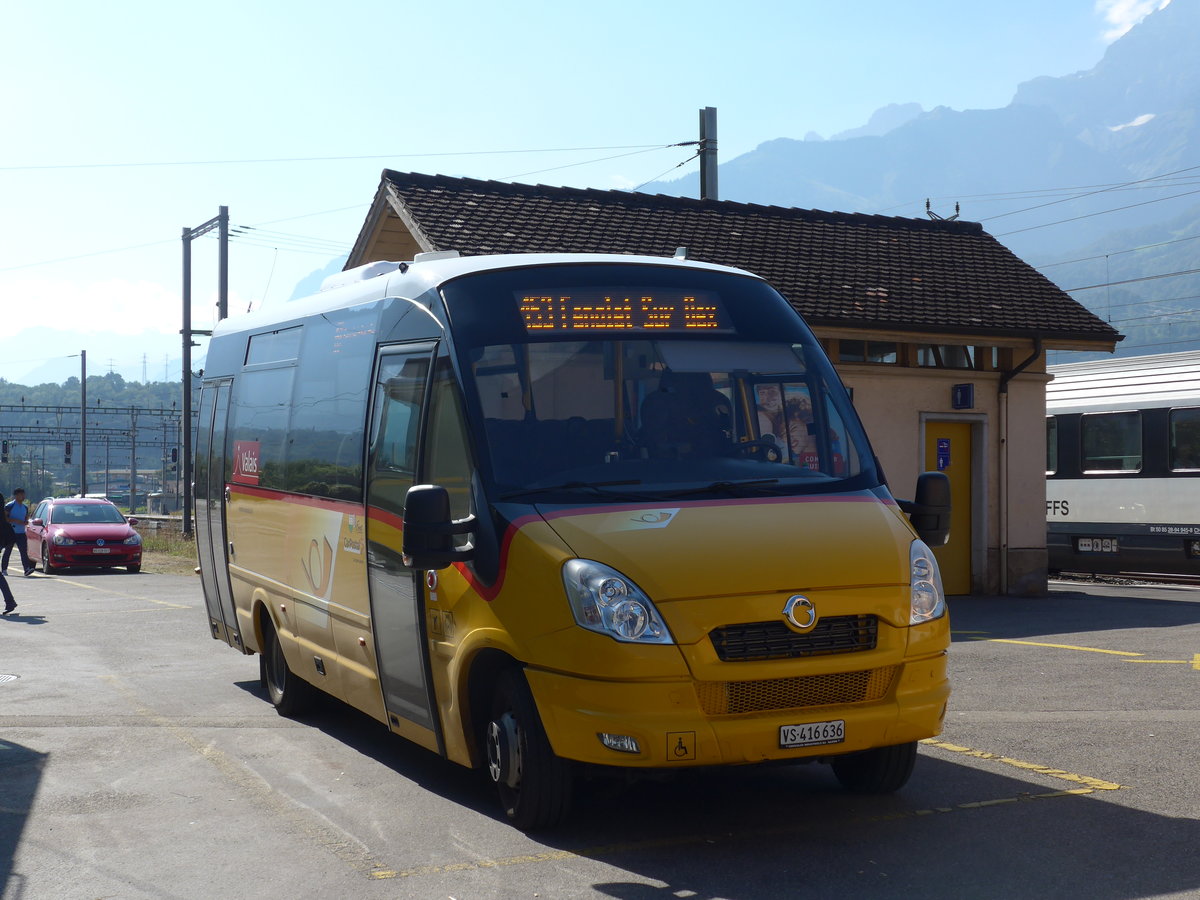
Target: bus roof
column 380, row 279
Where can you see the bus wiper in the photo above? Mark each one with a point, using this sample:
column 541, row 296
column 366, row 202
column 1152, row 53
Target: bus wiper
column 593, row 486
column 724, row 487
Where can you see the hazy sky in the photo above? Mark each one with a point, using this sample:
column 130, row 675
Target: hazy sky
column 125, row 122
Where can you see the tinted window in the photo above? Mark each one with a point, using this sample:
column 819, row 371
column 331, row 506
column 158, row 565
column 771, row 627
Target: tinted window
column 329, row 407
column 1185, row 438
column 448, row 450
column 260, row 419
column 400, row 394
column 274, row 346
column 1051, row 445
column 1112, row 442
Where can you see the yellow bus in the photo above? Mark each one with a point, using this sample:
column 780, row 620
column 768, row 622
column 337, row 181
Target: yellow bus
column 544, row 514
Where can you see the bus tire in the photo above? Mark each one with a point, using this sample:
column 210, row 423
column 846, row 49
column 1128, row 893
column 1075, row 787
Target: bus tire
column 289, row 693
column 534, row 784
column 879, row 771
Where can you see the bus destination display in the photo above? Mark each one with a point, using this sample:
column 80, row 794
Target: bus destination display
column 629, row 310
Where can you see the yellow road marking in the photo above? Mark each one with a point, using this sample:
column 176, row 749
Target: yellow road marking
column 1086, row 780
column 93, row 587
column 1186, row 662
column 120, row 612
column 1194, row 662
column 1058, row 646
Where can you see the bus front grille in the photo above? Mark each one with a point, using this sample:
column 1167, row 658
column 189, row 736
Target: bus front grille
column 733, row 698
column 775, row 640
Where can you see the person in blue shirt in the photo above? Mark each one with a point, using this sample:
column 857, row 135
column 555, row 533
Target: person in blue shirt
column 17, row 514
column 7, row 538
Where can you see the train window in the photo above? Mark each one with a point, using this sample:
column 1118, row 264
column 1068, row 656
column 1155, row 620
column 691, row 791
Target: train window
column 1185, row 439
column 1112, row 442
column 1051, row 445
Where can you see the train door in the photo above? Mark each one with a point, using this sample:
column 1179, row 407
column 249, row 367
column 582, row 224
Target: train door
column 397, row 600
column 949, row 449
column 212, row 543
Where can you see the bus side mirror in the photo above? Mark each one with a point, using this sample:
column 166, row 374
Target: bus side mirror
column 930, row 511
column 429, row 531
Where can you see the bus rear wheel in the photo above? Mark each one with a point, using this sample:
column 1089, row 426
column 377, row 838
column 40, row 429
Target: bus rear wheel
column 289, row 693
column 534, row 784
column 883, row 770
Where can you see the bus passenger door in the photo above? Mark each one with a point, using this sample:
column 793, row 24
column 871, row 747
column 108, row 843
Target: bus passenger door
column 397, row 602
column 209, row 493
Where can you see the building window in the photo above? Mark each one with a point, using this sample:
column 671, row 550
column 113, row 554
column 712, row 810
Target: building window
column 883, row 352
column 1112, row 442
column 945, row 356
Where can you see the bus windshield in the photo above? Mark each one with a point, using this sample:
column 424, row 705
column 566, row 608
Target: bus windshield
column 642, row 383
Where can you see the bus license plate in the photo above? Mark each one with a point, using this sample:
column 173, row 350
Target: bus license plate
column 812, row 734
column 101, row 550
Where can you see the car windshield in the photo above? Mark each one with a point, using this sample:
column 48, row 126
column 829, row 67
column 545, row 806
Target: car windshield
column 85, row 514
column 654, row 419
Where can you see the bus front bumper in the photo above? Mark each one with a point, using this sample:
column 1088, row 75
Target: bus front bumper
column 672, row 729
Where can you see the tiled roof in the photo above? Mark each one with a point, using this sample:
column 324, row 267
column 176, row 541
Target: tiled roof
column 837, row 269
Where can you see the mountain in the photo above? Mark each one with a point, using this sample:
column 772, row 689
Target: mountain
column 1087, row 167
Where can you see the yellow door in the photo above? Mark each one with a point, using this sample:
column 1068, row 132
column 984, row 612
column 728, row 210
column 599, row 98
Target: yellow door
column 948, row 450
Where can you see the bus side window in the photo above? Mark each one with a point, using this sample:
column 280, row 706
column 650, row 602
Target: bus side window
column 447, row 450
column 393, row 455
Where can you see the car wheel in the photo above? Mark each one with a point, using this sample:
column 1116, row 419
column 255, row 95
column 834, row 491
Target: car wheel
column 879, row 771
column 46, row 567
column 289, row 693
column 134, row 568
column 534, row 784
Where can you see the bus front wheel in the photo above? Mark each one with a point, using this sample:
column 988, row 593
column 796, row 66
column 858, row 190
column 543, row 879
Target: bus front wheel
column 879, row 771
column 288, row 692
column 534, row 784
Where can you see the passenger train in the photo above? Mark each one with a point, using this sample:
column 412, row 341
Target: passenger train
column 1123, row 465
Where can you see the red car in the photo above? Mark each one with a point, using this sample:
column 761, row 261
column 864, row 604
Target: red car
column 82, row 531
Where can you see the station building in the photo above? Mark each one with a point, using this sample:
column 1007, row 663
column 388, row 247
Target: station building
column 937, row 328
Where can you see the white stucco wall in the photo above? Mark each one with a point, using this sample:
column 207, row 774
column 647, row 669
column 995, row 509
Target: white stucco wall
column 894, row 402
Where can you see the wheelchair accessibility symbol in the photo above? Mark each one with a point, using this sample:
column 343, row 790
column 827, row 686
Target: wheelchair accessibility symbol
column 681, row 745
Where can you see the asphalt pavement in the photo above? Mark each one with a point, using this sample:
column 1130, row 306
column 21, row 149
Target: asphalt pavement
column 139, row 758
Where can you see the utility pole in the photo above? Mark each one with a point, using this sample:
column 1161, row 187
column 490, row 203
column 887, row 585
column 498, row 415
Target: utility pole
column 220, row 222
column 708, row 153
column 83, row 485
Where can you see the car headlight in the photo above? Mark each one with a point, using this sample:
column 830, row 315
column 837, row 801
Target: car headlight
column 925, row 583
column 60, row 538
column 605, row 601
column 134, row 539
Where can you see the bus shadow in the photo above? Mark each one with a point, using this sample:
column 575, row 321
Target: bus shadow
column 20, row 774
column 955, row 831
column 365, row 735
column 1072, row 611
column 743, row 833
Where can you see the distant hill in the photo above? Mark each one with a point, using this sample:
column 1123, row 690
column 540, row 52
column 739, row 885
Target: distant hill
column 1052, row 175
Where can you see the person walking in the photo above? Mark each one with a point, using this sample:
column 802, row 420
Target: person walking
column 7, row 539
column 16, row 513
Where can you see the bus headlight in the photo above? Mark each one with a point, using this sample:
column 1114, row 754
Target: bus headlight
column 605, row 601
column 925, row 582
